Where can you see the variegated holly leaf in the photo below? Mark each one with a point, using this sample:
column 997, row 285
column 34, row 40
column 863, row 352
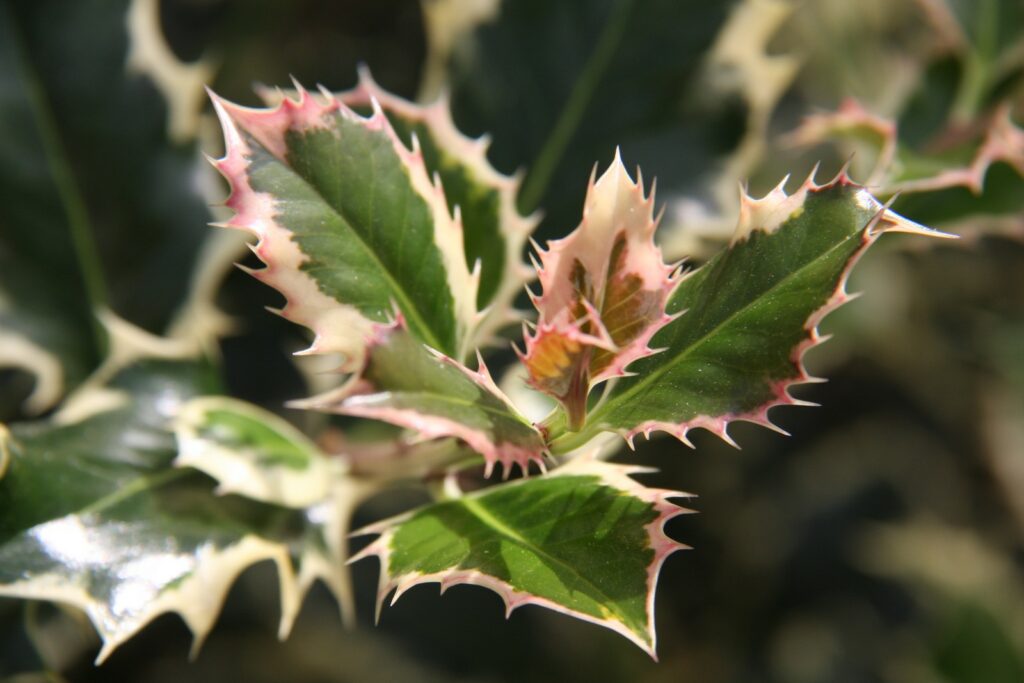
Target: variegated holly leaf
column 253, row 453
column 963, row 161
column 493, row 230
column 586, row 540
column 256, row 454
column 408, row 384
column 349, row 224
column 748, row 316
column 605, row 287
column 87, row 176
column 94, row 514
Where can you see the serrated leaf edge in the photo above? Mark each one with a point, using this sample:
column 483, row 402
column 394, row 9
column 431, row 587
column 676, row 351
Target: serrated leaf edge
column 472, row 152
column 338, row 327
column 767, row 214
column 197, row 598
column 602, row 211
column 612, row 475
column 1003, row 141
column 345, row 401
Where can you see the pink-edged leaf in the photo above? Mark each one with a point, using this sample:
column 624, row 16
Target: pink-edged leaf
column 961, row 159
column 586, row 540
column 851, row 120
column 751, row 313
column 494, row 231
column 349, row 223
column 408, row 384
column 605, row 287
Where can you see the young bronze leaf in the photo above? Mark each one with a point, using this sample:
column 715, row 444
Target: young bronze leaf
column 748, row 316
column 587, row 541
column 348, row 223
column 408, row 384
column 605, row 287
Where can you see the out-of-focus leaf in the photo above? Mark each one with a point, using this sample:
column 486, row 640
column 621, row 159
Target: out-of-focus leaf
column 970, row 588
column 961, row 163
column 96, row 205
column 561, row 84
column 256, row 454
column 180, row 83
column 446, row 23
column 253, row 453
column 96, row 515
column 587, row 541
column 739, row 64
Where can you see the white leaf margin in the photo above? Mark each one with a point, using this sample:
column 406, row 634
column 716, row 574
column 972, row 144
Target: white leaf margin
column 615, row 476
column 339, row 327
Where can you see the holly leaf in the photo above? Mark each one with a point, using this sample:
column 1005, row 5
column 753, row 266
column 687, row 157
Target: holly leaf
column 348, row 223
column 605, row 287
column 963, row 161
column 253, row 453
column 98, row 206
column 493, row 230
column 748, row 316
column 94, row 514
column 408, row 384
column 586, row 540
column 629, row 77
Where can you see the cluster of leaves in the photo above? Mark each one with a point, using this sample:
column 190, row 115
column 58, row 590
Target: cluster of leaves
column 394, row 241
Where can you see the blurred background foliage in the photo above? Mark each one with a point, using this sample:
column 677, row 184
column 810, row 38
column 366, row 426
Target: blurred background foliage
column 881, row 542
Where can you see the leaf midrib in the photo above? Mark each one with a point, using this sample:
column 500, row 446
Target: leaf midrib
column 502, row 529
column 412, row 312
column 431, row 396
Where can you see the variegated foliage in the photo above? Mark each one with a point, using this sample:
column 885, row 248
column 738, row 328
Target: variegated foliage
column 604, row 293
column 118, row 504
column 372, row 254
column 587, row 541
column 146, row 494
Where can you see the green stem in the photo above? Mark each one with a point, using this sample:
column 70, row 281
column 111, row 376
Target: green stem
column 566, row 441
column 554, row 146
column 67, row 189
column 978, row 64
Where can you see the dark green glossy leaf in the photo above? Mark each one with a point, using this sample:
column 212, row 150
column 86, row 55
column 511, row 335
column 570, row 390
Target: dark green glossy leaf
column 94, row 514
column 96, row 204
